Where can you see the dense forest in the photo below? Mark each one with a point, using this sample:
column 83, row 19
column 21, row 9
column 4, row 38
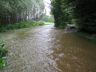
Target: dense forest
column 80, row 12
column 12, row 11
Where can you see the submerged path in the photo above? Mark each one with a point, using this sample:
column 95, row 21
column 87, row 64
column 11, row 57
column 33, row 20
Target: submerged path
column 47, row 49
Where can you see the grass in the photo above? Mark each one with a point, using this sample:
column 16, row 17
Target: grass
column 23, row 24
column 86, row 36
column 3, row 54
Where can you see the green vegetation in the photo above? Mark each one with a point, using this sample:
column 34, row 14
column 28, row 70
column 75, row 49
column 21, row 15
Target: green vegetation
column 80, row 12
column 3, row 54
column 46, row 18
column 62, row 12
column 12, row 11
column 23, row 24
column 16, row 14
column 85, row 12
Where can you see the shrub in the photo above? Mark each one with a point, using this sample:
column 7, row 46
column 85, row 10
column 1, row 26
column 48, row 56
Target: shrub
column 23, row 24
column 3, row 54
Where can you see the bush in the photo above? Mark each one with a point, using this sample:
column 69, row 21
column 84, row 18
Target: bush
column 3, row 54
column 23, row 24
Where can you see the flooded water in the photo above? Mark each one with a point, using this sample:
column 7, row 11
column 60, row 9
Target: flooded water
column 47, row 49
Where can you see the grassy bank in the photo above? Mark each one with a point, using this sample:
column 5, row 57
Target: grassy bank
column 3, row 54
column 4, row 28
column 23, row 24
column 87, row 36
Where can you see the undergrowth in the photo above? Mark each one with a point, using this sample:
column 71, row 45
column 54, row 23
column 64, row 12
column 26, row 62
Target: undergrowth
column 3, row 54
column 23, row 24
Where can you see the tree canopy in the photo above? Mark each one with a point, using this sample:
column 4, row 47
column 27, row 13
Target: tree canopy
column 83, row 12
column 16, row 10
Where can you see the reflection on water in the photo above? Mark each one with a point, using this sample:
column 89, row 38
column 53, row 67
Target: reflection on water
column 47, row 49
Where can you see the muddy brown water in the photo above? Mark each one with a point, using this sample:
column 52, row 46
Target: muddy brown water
column 47, row 49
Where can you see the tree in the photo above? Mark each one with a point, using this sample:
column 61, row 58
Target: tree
column 83, row 11
column 62, row 11
column 12, row 11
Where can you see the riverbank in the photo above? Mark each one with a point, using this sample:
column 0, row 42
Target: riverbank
column 23, row 24
column 4, row 28
column 74, row 29
column 87, row 36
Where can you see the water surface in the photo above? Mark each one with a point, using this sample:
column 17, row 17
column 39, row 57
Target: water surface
column 47, row 49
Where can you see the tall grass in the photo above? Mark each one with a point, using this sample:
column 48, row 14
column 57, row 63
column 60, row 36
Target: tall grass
column 23, row 24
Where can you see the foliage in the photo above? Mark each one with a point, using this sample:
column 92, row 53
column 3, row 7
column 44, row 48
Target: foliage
column 12, row 11
column 62, row 11
column 47, row 18
column 85, row 12
column 23, row 24
column 3, row 53
column 82, row 11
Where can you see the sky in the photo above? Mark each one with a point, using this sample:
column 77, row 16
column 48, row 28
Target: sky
column 47, row 6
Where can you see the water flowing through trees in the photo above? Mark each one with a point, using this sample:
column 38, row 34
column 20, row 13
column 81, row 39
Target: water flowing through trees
column 47, row 48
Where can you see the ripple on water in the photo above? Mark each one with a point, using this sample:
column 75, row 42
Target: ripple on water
column 46, row 49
